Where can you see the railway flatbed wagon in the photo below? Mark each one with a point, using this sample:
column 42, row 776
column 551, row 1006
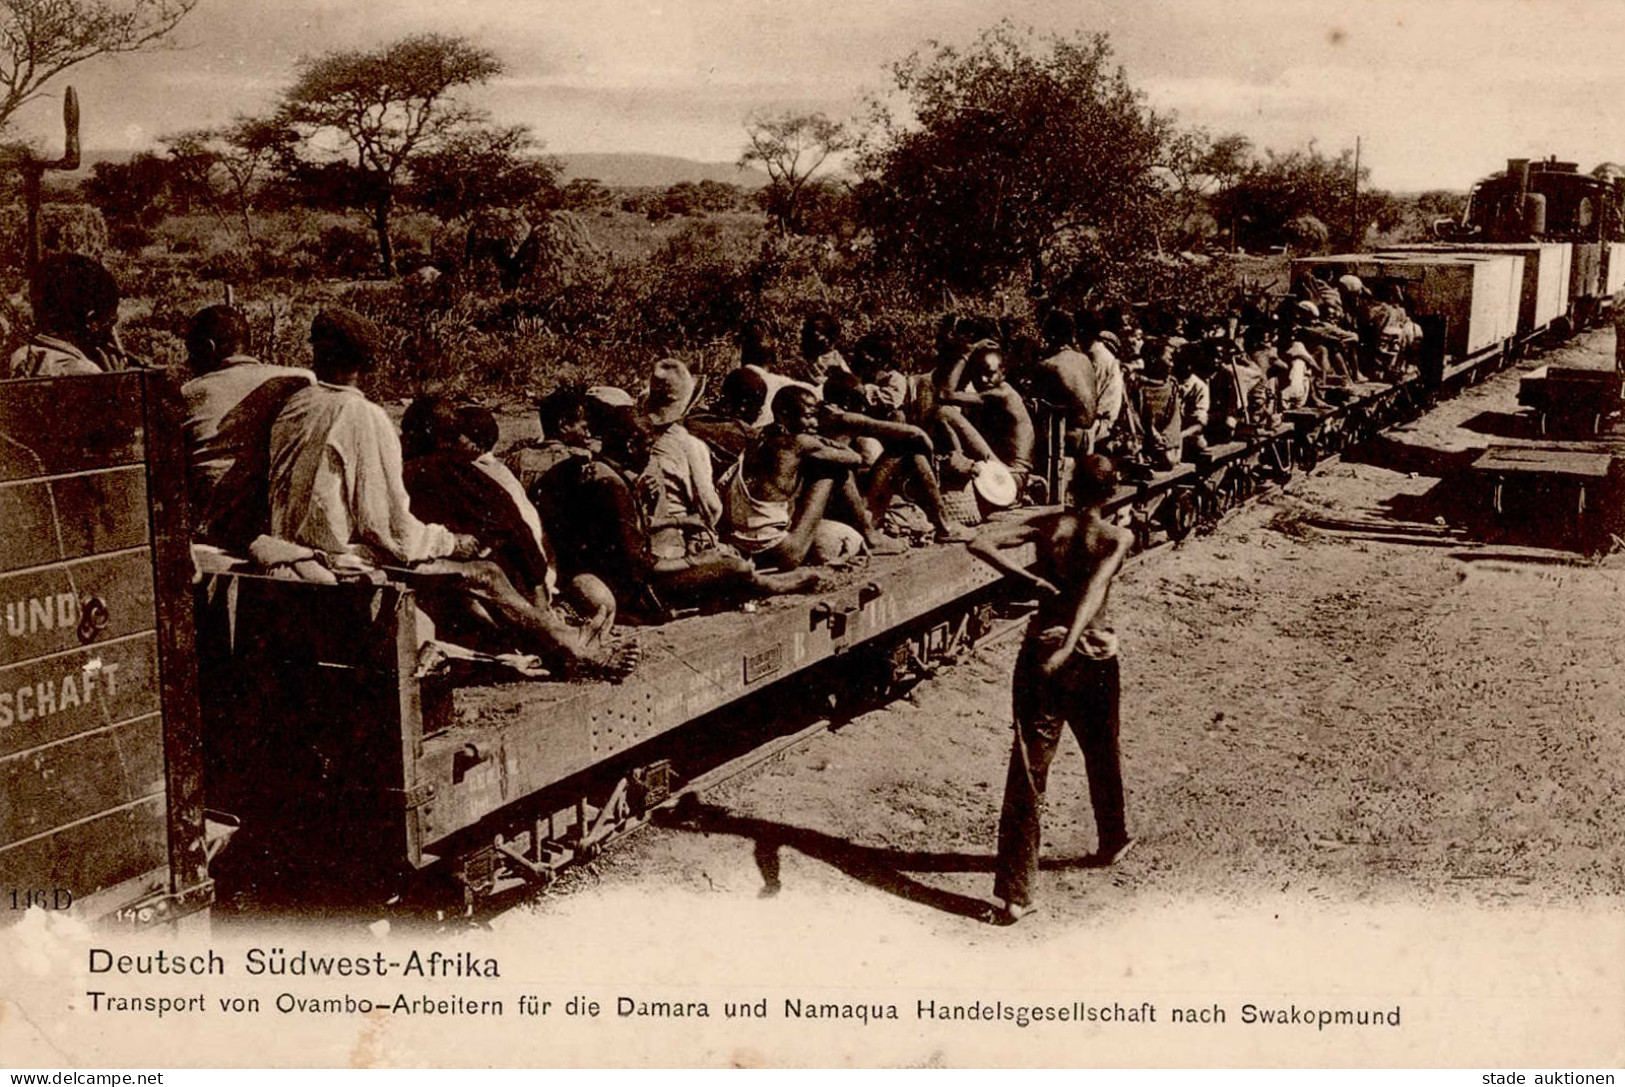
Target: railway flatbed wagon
column 1573, row 398
column 1570, row 487
column 101, row 805
column 318, row 728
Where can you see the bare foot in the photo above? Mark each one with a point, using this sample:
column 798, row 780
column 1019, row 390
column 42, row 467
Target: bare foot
column 790, row 581
column 954, row 532
column 621, row 661
column 882, row 544
column 1009, row 913
column 595, row 631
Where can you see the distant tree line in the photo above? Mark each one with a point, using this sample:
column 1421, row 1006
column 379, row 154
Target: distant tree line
column 1018, row 160
column 1031, row 159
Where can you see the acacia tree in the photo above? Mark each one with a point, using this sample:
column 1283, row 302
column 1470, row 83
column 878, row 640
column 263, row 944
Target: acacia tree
column 791, row 147
column 1269, row 201
column 225, row 166
column 1011, row 149
column 1202, row 169
column 484, row 167
column 384, row 108
column 41, row 39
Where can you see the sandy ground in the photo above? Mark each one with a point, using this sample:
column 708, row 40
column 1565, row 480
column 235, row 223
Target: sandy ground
column 1390, row 714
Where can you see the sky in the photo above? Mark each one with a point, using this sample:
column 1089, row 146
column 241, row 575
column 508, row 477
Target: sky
column 1439, row 92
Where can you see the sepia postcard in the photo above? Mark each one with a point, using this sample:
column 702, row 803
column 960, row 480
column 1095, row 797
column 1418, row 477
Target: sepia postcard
column 912, row 534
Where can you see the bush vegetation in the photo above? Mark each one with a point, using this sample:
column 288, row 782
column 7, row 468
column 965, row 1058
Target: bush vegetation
column 967, row 201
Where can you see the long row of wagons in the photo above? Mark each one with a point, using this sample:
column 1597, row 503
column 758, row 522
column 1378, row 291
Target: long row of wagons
column 143, row 711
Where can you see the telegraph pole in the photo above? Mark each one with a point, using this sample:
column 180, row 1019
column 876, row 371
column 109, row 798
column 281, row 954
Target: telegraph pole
column 1355, row 236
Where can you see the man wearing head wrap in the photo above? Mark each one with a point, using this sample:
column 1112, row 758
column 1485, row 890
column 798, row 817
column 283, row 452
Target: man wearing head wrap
column 678, row 484
column 1105, row 352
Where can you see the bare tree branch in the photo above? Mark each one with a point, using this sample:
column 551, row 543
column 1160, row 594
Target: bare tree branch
column 41, row 39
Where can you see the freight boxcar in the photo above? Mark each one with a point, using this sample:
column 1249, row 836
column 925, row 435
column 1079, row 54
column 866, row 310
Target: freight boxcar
column 1477, row 297
column 1547, row 270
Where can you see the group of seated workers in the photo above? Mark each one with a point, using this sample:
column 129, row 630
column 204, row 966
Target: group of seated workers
column 626, row 507
column 638, row 506
column 1152, row 403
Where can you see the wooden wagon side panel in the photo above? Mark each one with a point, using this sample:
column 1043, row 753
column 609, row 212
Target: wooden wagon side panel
column 523, row 738
column 99, row 795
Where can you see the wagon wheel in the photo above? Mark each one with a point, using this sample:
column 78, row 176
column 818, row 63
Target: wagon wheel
column 1309, row 448
column 1596, row 425
column 1285, row 464
column 1542, row 423
column 1140, row 525
column 1181, row 517
column 1243, row 484
column 1580, row 517
column 1496, row 497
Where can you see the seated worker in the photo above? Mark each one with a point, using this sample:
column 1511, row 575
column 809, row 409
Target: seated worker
column 820, row 333
column 1294, row 381
column 589, row 508
column 1107, row 350
column 728, row 427
column 1231, row 380
column 996, row 411
column 335, row 478
column 1156, row 399
column 337, row 486
column 1333, row 349
column 448, row 483
column 777, row 494
column 1192, row 367
column 900, row 458
column 1328, row 302
column 964, row 441
column 1388, row 334
column 1257, row 383
column 756, row 344
column 479, row 426
column 75, row 309
column 230, row 406
column 1070, row 380
column 563, row 419
column 677, row 487
column 593, row 509
column 887, row 392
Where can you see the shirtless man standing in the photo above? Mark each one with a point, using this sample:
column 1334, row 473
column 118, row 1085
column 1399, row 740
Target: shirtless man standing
column 1066, row 674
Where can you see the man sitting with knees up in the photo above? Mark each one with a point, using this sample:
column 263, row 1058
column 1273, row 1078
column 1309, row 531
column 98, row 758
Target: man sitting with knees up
column 779, row 490
column 1003, row 426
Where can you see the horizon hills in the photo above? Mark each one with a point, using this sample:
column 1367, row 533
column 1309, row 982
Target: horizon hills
column 616, row 169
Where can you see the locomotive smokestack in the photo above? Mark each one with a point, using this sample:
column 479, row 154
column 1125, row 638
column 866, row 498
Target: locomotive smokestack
column 1518, row 170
